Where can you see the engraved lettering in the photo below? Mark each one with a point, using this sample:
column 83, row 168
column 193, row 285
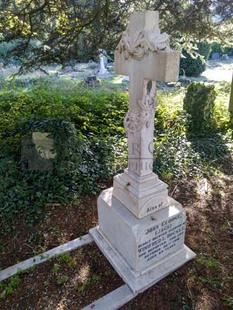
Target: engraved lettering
column 162, row 239
column 154, row 208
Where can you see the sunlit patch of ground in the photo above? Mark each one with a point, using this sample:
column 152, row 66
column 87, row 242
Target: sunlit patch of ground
column 219, row 70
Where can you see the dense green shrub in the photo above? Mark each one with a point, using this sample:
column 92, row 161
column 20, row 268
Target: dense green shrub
column 199, row 104
column 85, row 127
column 24, row 191
column 195, row 66
column 89, row 142
column 174, row 156
column 216, row 48
column 228, row 51
column 180, row 153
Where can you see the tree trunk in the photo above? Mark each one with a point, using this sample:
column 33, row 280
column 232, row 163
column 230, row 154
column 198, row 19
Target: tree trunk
column 231, row 103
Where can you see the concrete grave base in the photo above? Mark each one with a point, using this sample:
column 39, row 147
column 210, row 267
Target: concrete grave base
column 141, row 281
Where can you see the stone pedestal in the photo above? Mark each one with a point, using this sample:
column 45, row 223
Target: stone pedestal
column 141, row 195
column 142, row 251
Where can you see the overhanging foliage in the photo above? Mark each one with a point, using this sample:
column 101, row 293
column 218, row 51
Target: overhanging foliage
column 70, row 29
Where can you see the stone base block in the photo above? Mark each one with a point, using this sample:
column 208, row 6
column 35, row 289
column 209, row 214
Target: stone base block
column 142, row 242
column 142, row 196
column 140, row 281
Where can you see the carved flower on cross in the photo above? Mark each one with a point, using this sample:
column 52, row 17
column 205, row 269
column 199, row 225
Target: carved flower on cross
column 136, row 118
column 132, row 121
column 142, row 42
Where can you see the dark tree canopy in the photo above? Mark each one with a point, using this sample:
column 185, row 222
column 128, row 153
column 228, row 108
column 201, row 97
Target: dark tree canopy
column 74, row 29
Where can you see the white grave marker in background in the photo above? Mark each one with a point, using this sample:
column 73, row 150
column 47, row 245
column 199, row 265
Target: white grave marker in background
column 103, row 72
column 141, row 229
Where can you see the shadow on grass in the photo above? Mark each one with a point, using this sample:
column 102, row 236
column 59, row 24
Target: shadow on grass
column 209, row 227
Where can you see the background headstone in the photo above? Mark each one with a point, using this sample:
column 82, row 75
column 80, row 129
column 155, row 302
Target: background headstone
column 91, row 81
column 1, row 66
column 215, row 56
column 102, row 72
column 37, row 152
column 224, row 57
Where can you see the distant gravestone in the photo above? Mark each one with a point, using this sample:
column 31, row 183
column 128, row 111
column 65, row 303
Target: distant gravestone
column 37, row 152
column 102, row 72
column 126, row 78
column 224, row 57
column 68, row 69
column 215, row 56
column 141, row 229
column 91, row 81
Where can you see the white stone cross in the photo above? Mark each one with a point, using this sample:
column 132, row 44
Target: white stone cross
column 141, row 229
column 102, row 71
column 144, row 55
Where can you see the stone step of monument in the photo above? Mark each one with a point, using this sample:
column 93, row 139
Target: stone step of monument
column 113, row 300
column 43, row 257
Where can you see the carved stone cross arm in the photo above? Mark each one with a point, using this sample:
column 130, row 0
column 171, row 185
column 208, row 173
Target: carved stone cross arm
column 144, row 55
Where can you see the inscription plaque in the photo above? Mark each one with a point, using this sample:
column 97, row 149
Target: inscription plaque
column 161, row 239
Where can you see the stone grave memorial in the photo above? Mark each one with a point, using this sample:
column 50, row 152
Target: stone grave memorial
column 37, row 152
column 141, row 229
column 103, row 72
column 215, row 56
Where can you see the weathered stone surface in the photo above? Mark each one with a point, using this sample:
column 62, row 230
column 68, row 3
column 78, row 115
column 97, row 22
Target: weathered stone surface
column 103, row 72
column 142, row 196
column 140, row 281
column 144, row 55
column 141, row 242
